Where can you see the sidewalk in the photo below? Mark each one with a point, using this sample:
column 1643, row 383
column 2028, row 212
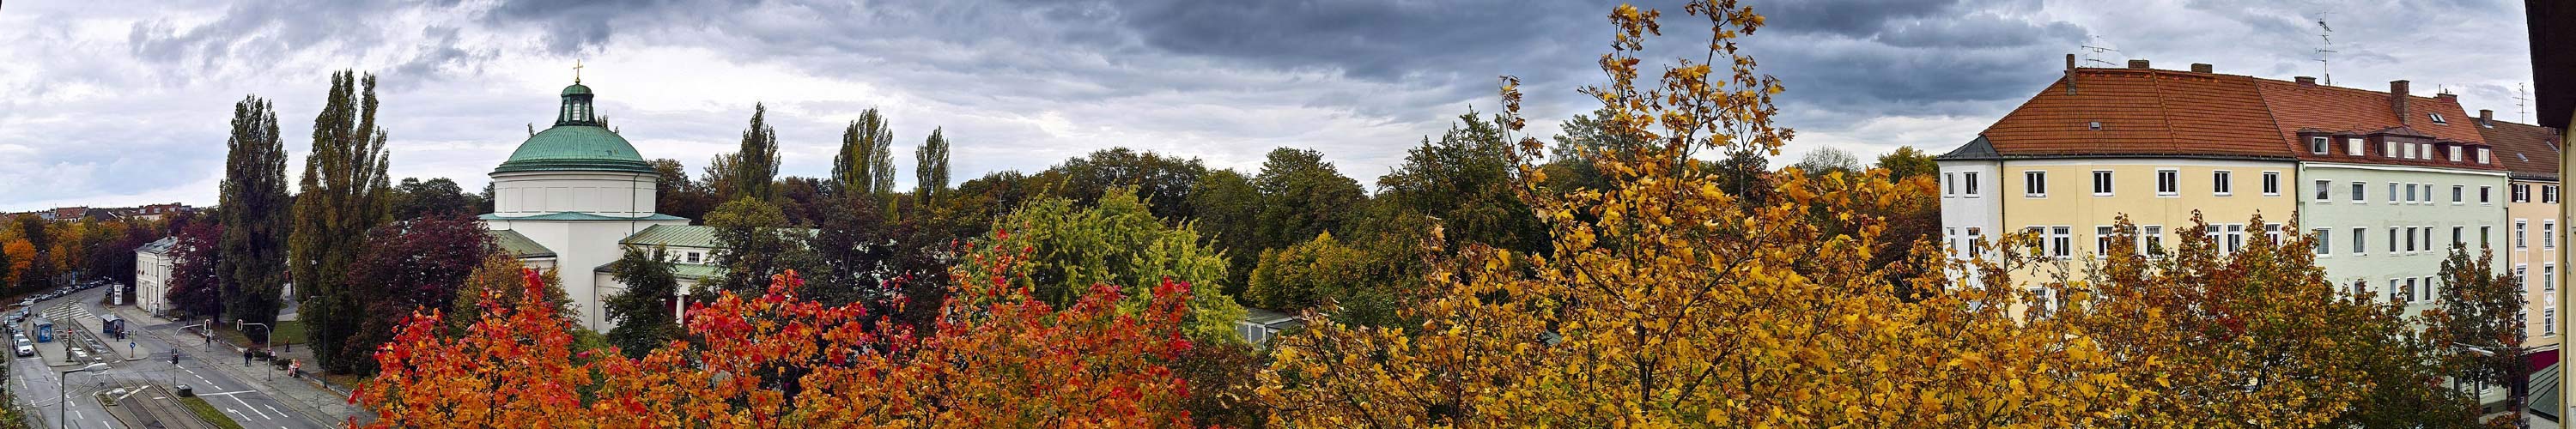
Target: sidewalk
column 306, row 395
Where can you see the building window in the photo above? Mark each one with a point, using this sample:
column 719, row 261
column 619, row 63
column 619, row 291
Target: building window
column 2519, row 241
column 2388, row 148
column 692, row 257
column 2360, row 192
column 2455, row 153
column 2318, row 145
column 2219, row 183
column 2102, row 183
column 2352, row 146
column 2235, row 237
column 2437, row 118
column 2485, row 194
column 2325, row 241
column 2272, row 232
column 2392, row 192
column 1968, row 184
column 2482, row 156
column 2325, row 190
column 2360, row 241
column 2548, row 321
column 2410, row 239
column 2410, row 193
column 2152, row 240
column 2521, row 193
column 2456, row 236
column 2549, row 194
column 2486, row 236
column 2393, row 240
column 1976, row 239
column 2399, row 291
column 2271, row 183
column 2407, row 150
column 1949, row 184
column 2549, row 277
column 2548, row 233
column 2521, row 278
column 2034, row 184
column 2428, row 236
column 2459, row 193
column 2168, row 182
column 2102, row 241
column 2063, row 240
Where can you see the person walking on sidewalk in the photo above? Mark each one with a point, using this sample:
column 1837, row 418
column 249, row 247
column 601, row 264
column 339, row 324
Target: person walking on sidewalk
column 245, row 357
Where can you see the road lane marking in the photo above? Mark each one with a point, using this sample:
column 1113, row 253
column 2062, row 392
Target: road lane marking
column 227, row 393
column 246, row 404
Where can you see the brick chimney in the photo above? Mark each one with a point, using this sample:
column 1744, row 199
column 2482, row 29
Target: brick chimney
column 2070, row 74
column 2486, row 115
column 2200, row 67
column 2397, row 101
column 2138, row 64
column 2306, row 80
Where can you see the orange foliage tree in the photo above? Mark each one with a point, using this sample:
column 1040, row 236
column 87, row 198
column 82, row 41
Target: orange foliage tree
column 777, row 360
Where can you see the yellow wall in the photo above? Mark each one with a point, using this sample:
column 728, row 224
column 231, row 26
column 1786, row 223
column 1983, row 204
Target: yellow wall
column 2071, row 202
column 2537, row 256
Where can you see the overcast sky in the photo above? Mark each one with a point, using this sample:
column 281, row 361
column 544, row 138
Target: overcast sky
column 120, row 103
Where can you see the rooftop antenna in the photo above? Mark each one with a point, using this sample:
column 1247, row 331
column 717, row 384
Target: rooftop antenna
column 2521, row 96
column 2090, row 50
column 2325, row 34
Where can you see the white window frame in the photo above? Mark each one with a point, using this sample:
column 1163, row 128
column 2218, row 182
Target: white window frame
column 2320, row 145
column 2455, row 153
column 2325, row 241
column 1949, row 185
column 2102, row 236
column 2103, row 186
column 2325, row 191
column 2151, row 241
column 2521, row 234
column 2168, row 182
column 2354, row 146
column 2484, row 157
column 2222, row 183
column 2360, row 241
column 2549, row 233
column 2271, row 183
column 2459, row 194
column 2392, row 193
column 1968, row 184
column 2486, row 195
column 2361, row 192
column 2034, row 184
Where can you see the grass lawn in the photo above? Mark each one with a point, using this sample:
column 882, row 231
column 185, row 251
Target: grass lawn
column 208, row 413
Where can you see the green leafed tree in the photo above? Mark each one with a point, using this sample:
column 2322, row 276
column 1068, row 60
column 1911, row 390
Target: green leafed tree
column 865, row 163
column 748, row 171
column 250, row 258
column 1163, row 182
column 344, row 194
column 930, row 168
column 1117, row 242
column 1303, row 195
column 415, row 198
column 1228, row 215
column 1463, row 180
column 753, row 243
column 643, row 312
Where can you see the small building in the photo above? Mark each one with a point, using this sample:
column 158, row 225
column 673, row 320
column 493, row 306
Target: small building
column 44, row 328
column 111, row 325
column 152, row 265
column 1259, row 326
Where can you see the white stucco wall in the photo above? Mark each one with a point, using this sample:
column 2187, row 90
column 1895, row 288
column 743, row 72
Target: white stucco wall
column 151, row 281
column 601, row 193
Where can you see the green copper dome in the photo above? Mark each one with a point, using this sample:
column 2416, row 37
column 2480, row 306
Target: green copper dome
column 576, row 148
column 577, row 89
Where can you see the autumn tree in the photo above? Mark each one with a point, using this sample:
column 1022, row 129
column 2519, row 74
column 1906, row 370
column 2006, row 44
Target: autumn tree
column 2478, row 332
column 501, row 274
column 1662, row 302
column 997, row 360
column 195, row 284
column 1464, row 181
column 344, row 194
column 645, row 313
column 1118, row 242
column 413, row 264
column 1906, row 162
column 865, row 163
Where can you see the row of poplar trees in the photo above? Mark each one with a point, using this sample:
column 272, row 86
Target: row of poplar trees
column 271, row 239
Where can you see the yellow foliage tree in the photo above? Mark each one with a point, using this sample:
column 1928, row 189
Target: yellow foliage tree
column 1668, row 301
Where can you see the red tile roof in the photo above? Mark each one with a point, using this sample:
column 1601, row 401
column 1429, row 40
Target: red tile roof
column 2148, row 112
column 2526, row 150
column 2141, row 112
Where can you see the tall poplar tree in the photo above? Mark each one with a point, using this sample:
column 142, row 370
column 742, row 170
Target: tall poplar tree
column 344, row 193
column 865, row 165
column 250, row 258
column 749, row 170
column 930, row 168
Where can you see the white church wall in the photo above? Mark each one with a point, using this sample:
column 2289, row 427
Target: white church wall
column 601, row 193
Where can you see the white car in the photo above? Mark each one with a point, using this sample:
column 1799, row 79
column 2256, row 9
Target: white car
column 25, row 350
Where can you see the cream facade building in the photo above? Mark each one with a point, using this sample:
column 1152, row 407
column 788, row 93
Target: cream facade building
column 569, row 196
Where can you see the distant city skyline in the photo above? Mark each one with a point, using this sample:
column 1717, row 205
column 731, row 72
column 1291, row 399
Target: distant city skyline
column 126, row 104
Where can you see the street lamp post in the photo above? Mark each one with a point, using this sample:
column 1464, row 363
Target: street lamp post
column 62, row 400
column 263, row 342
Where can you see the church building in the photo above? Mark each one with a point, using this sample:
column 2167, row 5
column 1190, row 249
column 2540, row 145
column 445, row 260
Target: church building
column 572, row 195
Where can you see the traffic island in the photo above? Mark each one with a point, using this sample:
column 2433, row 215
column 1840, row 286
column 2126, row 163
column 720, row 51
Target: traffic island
column 207, row 413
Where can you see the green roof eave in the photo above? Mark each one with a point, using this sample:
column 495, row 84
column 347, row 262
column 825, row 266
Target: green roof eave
column 576, row 148
column 519, row 245
column 579, row 216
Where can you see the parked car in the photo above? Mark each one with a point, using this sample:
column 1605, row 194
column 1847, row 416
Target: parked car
column 25, row 350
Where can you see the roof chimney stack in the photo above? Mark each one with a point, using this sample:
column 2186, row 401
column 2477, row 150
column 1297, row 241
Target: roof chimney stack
column 2306, row 80
column 2200, row 67
column 2070, row 74
column 2486, row 115
column 2397, row 101
column 2138, row 64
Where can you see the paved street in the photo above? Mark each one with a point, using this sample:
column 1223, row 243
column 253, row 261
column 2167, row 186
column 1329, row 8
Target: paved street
column 150, row 370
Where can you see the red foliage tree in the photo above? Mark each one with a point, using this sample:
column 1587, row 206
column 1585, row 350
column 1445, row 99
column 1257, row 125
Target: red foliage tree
column 777, row 360
column 195, row 285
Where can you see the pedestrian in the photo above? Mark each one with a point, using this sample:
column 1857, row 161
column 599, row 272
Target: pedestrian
column 245, row 357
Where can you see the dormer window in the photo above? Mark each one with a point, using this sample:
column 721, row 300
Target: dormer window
column 2318, row 145
column 2353, row 146
column 2455, row 153
column 2483, row 156
column 2437, row 118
